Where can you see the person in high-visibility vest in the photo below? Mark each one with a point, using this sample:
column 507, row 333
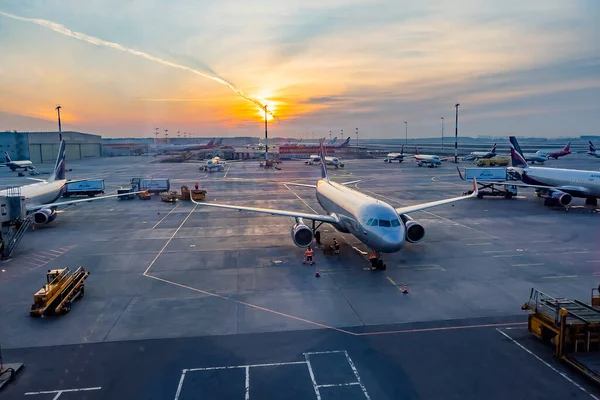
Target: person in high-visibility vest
column 196, row 185
column 308, row 256
column 373, row 260
column 336, row 246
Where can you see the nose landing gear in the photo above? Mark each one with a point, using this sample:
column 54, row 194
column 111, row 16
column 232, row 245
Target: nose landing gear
column 376, row 261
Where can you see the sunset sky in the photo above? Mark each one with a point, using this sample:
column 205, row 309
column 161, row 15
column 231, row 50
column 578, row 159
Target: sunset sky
column 530, row 68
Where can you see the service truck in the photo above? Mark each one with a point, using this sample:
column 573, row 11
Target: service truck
column 90, row 187
column 151, row 185
column 494, row 179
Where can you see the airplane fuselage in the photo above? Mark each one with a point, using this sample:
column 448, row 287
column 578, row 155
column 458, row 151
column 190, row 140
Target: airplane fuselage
column 590, row 180
column 355, row 210
column 535, row 157
column 423, row 159
column 38, row 193
column 13, row 165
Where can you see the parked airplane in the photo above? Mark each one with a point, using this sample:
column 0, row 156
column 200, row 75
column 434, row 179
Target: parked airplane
column 333, row 161
column 214, row 164
column 40, row 197
column 561, row 153
column 13, row 165
column 428, row 160
column 476, row 155
column 332, row 143
column 593, row 152
column 395, row 156
column 557, row 185
column 372, row 221
column 538, row 156
column 165, row 148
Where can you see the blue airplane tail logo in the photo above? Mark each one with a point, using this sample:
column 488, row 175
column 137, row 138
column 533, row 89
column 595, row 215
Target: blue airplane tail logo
column 61, row 164
column 516, row 155
column 322, row 157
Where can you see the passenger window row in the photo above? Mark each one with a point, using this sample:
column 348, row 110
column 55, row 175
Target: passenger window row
column 383, row 222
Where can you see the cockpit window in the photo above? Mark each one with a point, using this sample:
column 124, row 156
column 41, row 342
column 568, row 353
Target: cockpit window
column 384, row 223
column 395, row 223
column 373, row 222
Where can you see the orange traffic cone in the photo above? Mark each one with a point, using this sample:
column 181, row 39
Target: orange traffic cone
column 405, row 289
column 317, row 275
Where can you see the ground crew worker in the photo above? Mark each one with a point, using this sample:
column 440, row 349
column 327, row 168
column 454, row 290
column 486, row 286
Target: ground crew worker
column 373, row 260
column 308, row 256
column 336, row 246
column 196, row 185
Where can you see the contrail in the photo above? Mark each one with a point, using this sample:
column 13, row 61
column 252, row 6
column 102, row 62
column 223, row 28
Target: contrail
column 99, row 42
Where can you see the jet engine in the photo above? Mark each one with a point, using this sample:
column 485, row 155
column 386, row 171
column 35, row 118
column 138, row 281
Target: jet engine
column 414, row 230
column 44, row 216
column 560, row 198
column 302, row 235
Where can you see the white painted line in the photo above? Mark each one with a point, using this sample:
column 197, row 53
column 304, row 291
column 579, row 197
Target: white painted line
column 527, row 265
column 593, row 261
column 180, row 384
column 226, row 172
column 497, row 251
column 478, row 244
column 338, row 384
column 325, row 352
column 312, row 377
column 59, row 392
column 549, row 366
column 247, row 383
column 246, row 366
column 357, row 376
column 560, row 276
column 163, row 218
column 577, row 252
column 509, row 255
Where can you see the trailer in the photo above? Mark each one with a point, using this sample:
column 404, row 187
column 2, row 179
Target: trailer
column 90, row 188
column 194, row 194
column 491, row 181
column 62, row 288
column 571, row 326
column 151, row 185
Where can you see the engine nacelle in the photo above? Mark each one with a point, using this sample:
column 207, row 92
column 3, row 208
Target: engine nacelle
column 302, row 235
column 415, row 232
column 564, row 199
column 44, row 216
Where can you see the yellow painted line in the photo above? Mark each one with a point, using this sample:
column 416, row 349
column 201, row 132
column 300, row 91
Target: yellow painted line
column 527, row 265
column 478, row 244
column 560, row 276
column 391, row 281
column 168, row 241
column 163, row 218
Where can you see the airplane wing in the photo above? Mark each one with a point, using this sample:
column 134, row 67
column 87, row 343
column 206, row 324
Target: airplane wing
column 300, row 184
column 282, row 213
column 424, row 206
column 66, row 203
column 567, row 189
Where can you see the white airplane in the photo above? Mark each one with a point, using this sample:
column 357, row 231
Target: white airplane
column 214, row 164
column 593, row 152
column 14, row 165
column 333, row 161
column 538, row 156
column 375, row 223
column 395, row 156
column 476, row 155
column 427, row 160
column 165, row 148
column 40, row 197
column 557, row 185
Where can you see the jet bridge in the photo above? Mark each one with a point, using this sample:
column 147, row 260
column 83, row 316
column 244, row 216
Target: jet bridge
column 572, row 326
column 14, row 221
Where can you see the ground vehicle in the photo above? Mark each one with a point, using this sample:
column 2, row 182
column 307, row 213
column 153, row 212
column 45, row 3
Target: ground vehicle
column 151, row 185
column 90, row 188
column 61, row 289
column 491, row 162
column 493, row 179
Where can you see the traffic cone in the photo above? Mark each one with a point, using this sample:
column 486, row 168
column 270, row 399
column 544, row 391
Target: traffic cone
column 317, row 275
column 405, row 289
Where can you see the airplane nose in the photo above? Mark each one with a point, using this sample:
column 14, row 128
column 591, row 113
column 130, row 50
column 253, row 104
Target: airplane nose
column 393, row 241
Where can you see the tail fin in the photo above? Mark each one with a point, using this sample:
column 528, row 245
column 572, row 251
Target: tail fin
column 7, row 157
column 567, row 147
column 516, row 155
column 61, row 164
column 322, row 156
column 493, row 151
column 416, row 150
column 218, row 142
column 346, row 142
column 332, row 141
column 211, row 143
column 592, row 148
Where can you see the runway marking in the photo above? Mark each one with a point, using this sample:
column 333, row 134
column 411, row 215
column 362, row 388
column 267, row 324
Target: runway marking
column 479, row 244
column 163, row 218
column 527, row 265
column 60, row 392
column 422, row 267
column 593, row 261
column 565, row 376
column 169, row 241
column 560, row 276
column 509, row 255
column 226, row 172
column 497, row 251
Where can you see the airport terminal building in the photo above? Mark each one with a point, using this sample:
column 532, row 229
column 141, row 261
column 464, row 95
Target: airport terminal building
column 42, row 147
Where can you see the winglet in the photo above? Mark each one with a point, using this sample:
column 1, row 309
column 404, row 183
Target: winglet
column 322, row 157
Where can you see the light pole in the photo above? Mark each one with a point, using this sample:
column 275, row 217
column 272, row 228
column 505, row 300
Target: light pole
column 330, row 136
column 266, row 137
column 59, row 126
column 178, row 134
column 156, row 136
column 342, row 134
column 442, row 133
column 406, row 133
column 456, row 135
column 166, row 136
column 356, row 137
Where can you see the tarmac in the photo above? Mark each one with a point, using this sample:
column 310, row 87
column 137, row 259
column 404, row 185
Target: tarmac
column 187, row 301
